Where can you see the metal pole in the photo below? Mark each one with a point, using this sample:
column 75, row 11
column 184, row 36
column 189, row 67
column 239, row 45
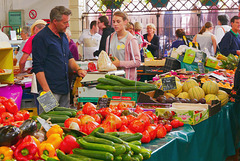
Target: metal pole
column 158, row 16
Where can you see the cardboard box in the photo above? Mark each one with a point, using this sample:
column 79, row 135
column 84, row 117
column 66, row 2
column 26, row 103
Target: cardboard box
column 149, row 62
column 116, row 102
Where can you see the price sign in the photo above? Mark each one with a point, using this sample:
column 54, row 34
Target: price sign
column 48, row 101
column 169, row 83
column 201, row 68
column 103, row 102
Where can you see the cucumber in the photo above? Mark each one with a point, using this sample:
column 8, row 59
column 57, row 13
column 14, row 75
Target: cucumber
column 104, row 87
column 92, row 146
column 129, row 82
column 131, row 137
column 54, row 118
column 136, row 149
column 126, row 157
column 94, row 154
column 107, row 76
column 79, row 157
column 109, row 137
column 134, row 158
column 128, row 148
column 134, row 88
column 117, row 158
column 109, row 81
column 98, row 129
column 93, row 139
column 64, row 109
column 120, row 149
column 146, row 153
column 62, row 157
column 139, row 156
column 68, row 113
column 113, row 134
column 136, row 142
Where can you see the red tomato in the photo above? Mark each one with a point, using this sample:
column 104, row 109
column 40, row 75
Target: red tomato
column 161, row 131
column 168, row 127
column 108, row 127
column 146, row 137
column 97, row 118
column 2, row 108
column 89, row 127
column 117, row 112
column 92, row 67
column 105, row 111
column 3, row 99
column 122, row 106
column 175, row 123
column 7, row 117
column 124, row 120
column 125, row 129
column 18, row 116
column 130, row 118
column 86, row 118
column 0, row 120
column 137, row 125
column 145, row 118
column 181, row 123
column 89, row 108
column 79, row 112
column 25, row 114
column 152, row 130
column 138, row 109
column 150, row 113
column 114, row 120
column 16, row 123
column 68, row 122
column 11, row 106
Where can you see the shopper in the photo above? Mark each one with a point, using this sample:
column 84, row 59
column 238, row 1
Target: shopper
column 179, row 35
column 230, row 43
column 90, row 40
column 206, row 39
column 27, row 49
column 3, row 36
column 124, row 47
column 130, row 28
column 138, row 29
column 72, row 45
column 103, row 25
column 222, row 27
column 52, row 57
column 152, row 40
column 25, row 34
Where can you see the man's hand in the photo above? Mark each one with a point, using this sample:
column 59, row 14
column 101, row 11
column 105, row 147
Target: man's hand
column 82, row 73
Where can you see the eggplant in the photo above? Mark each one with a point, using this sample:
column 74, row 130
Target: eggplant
column 9, row 135
column 28, row 127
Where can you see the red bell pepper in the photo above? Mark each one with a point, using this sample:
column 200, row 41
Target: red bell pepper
column 26, row 150
column 11, row 106
column 25, row 114
column 7, row 117
column 68, row 144
column 18, row 116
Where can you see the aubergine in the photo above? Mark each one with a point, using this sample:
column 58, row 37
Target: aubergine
column 28, row 127
column 9, row 135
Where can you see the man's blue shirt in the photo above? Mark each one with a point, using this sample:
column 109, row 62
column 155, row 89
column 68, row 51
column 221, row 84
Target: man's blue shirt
column 51, row 55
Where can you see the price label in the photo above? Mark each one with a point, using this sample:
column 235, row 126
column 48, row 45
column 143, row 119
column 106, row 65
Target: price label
column 103, row 102
column 48, row 101
column 169, row 83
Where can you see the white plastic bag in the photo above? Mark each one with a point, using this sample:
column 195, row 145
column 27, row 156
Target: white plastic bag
column 104, row 63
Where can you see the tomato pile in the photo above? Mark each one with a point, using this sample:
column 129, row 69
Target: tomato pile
column 9, row 114
column 120, row 118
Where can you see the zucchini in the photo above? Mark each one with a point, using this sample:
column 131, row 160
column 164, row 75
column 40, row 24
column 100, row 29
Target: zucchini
column 131, row 137
column 54, row 118
column 109, row 137
column 94, row 154
column 68, row 113
column 146, row 153
column 128, row 148
column 107, row 76
column 135, row 148
column 104, row 87
column 64, row 109
column 120, row 149
column 109, row 81
column 79, row 157
column 93, row 139
column 117, row 158
column 92, row 146
column 134, row 158
column 139, row 156
column 62, row 157
column 136, row 142
column 134, row 88
column 126, row 157
column 98, row 129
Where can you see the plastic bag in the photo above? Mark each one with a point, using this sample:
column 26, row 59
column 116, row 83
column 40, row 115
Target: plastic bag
column 104, row 63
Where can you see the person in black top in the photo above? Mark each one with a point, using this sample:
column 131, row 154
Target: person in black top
column 152, row 40
column 107, row 30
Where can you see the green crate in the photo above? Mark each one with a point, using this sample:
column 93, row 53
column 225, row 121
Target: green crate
column 88, row 99
column 128, row 96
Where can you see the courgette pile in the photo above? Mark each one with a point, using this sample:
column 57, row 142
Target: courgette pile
column 116, row 83
column 114, row 146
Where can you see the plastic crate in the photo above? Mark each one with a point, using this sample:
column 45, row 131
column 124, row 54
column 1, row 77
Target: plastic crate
column 88, row 99
column 28, row 103
column 129, row 96
column 171, row 64
column 27, row 94
column 32, row 111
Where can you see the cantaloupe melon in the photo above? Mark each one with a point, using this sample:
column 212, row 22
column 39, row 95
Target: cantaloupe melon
column 176, row 92
column 196, row 93
column 183, row 95
column 168, row 95
column 223, row 96
column 190, row 83
column 210, row 97
column 210, row 87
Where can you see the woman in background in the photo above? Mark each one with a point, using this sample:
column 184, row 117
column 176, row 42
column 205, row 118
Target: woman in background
column 130, row 28
column 222, row 27
column 179, row 35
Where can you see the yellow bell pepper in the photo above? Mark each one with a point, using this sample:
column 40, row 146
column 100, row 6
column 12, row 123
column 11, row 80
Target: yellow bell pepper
column 36, row 141
column 46, row 149
column 6, row 153
column 55, row 140
column 55, row 129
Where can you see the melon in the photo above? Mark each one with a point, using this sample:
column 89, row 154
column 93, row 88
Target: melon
column 223, row 96
column 168, row 95
column 183, row 95
column 210, row 97
column 196, row 93
column 190, row 83
column 210, row 87
column 177, row 91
